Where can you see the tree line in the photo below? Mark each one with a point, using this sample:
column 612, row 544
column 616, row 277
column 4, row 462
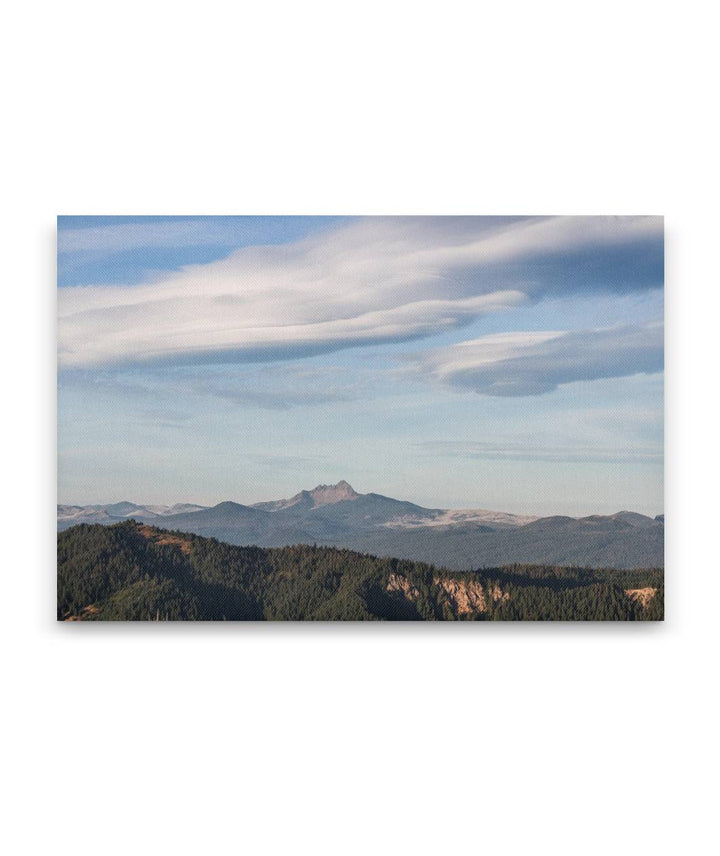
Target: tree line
column 128, row 572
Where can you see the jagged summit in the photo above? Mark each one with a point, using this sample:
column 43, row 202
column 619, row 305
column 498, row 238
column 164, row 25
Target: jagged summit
column 323, row 494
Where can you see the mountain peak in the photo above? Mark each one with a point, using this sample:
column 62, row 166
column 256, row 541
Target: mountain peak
column 325, row 494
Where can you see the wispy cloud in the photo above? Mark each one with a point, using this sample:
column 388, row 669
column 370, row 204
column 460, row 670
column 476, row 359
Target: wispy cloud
column 80, row 236
column 282, row 398
column 120, row 237
column 523, row 451
column 376, row 280
column 532, row 363
column 269, row 387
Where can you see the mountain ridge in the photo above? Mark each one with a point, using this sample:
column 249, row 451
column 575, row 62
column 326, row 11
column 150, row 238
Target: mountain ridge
column 136, row 572
column 337, row 515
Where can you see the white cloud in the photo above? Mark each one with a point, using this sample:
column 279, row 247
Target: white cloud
column 376, row 280
column 519, row 364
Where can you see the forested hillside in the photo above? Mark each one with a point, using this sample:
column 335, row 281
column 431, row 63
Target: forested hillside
column 135, row 572
column 337, row 516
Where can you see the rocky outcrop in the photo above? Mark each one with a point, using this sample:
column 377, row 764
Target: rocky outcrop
column 465, row 597
column 643, row 596
column 163, row 538
column 401, row 584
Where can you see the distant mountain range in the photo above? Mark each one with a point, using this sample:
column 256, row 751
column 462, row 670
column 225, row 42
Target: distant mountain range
column 336, row 515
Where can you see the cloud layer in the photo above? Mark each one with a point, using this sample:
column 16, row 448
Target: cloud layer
column 523, row 451
column 520, row 364
column 375, row 280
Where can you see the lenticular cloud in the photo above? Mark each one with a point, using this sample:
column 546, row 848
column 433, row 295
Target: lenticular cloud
column 518, row 364
column 375, row 280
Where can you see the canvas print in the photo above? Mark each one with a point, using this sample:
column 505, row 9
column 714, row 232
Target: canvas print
column 360, row 418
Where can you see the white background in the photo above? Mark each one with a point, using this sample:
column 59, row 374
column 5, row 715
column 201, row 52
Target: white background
column 359, row 739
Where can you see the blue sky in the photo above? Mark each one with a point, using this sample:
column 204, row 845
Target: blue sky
column 504, row 363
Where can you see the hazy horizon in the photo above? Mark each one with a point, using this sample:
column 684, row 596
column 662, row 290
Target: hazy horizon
column 513, row 364
column 540, row 511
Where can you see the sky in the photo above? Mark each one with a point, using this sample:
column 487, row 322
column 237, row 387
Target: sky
column 508, row 363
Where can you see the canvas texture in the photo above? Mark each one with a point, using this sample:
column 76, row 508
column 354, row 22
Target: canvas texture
column 360, row 418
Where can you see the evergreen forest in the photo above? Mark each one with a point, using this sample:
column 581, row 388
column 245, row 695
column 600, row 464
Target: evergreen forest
column 135, row 572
